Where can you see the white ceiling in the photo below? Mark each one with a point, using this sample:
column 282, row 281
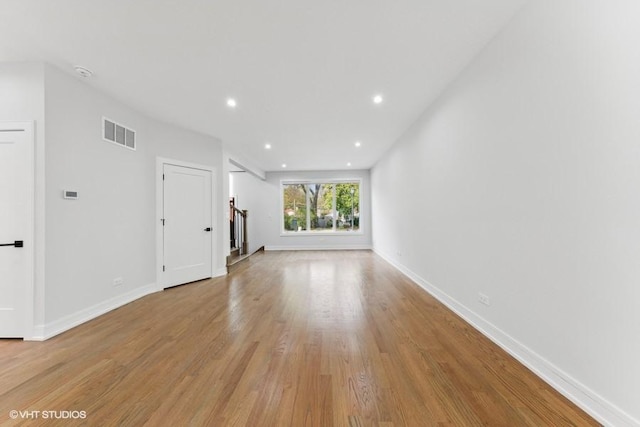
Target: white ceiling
column 303, row 72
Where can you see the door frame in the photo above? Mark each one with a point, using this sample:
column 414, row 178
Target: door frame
column 160, row 162
column 30, row 243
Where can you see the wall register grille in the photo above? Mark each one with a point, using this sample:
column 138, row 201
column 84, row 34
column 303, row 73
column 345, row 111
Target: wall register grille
column 118, row 134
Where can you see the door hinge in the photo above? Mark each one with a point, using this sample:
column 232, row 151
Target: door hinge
column 163, row 268
column 162, row 219
column 163, row 177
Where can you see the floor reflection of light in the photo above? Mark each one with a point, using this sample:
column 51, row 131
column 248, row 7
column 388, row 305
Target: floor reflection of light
column 235, row 309
column 330, row 292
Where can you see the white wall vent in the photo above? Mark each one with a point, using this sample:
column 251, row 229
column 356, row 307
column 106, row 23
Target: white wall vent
column 118, row 134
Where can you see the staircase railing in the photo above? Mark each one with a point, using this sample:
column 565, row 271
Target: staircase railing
column 238, row 229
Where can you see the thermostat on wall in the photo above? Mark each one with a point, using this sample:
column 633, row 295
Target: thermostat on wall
column 67, row 194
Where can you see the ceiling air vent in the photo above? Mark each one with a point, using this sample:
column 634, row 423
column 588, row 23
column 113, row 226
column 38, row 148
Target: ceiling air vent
column 118, row 134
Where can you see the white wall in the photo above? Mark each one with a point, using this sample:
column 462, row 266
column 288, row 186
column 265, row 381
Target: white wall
column 524, row 181
column 250, row 193
column 271, row 215
column 110, row 230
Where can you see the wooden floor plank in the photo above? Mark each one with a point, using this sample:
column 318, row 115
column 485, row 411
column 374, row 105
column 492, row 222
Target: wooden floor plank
column 293, row 339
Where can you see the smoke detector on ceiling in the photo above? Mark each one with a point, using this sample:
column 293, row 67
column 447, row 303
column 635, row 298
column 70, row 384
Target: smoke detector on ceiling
column 83, row 71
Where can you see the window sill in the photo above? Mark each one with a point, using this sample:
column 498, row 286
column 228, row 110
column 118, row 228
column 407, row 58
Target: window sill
column 321, row 233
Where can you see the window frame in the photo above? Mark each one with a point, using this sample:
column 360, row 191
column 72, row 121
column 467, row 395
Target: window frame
column 323, row 181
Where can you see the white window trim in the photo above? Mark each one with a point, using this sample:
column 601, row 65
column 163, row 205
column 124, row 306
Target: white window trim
column 284, row 233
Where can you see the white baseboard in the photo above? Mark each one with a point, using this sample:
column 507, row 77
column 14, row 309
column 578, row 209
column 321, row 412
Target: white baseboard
column 46, row 331
column 319, row 248
column 591, row 402
column 220, row 272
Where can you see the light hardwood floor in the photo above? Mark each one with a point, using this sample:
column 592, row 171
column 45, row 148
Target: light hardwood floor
column 294, row 339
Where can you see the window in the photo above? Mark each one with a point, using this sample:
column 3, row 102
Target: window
column 295, row 207
column 316, row 207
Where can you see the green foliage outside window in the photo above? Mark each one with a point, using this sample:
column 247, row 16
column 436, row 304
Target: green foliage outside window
column 322, row 214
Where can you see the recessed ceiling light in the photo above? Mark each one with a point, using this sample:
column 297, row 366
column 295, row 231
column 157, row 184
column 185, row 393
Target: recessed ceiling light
column 358, row 144
column 284, row 165
column 84, row 72
column 267, row 146
column 377, row 99
column 232, row 103
column 349, row 164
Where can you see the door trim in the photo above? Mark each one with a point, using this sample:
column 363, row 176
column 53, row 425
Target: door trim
column 160, row 162
column 30, row 244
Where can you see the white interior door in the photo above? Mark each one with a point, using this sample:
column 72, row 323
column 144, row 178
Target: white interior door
column 16, row 195
column 187, row 231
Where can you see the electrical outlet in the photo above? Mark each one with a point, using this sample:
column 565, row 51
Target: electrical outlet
column 484, row 299
column 118, row 281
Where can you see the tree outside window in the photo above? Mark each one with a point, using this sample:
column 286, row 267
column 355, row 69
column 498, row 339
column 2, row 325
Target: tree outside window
column 321, row 207
column 295, row 207
column 348, row 206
